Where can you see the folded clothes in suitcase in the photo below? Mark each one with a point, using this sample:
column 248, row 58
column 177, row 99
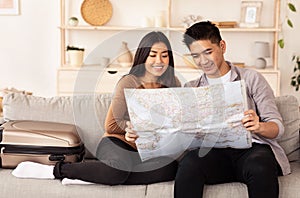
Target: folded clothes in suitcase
column 38, row 141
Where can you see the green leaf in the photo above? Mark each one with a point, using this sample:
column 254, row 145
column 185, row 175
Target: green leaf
column 290, row 23
column 294, row 77
column 297, row 88
column 293, row 83
column 281, row 43
column 292, row 7
column 298, row 79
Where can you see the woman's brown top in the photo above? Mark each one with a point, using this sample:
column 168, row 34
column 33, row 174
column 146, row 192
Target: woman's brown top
column 117, row 114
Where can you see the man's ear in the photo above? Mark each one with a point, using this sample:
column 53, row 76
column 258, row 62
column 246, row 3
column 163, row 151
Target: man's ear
column 223, row 46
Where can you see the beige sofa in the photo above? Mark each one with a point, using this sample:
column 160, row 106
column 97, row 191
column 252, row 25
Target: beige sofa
column 88, row 113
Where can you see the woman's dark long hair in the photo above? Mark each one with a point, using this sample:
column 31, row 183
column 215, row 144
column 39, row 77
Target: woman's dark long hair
column 138, row 68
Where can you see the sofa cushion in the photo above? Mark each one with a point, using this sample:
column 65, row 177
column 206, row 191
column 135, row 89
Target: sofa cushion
column 13, row 187
column 87, row 112
column 289, row 187
column 289, row 109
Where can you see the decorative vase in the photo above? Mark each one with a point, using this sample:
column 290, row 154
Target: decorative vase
column 159, row 20
column 260, row 63
column 73, row 21
column 124, row 55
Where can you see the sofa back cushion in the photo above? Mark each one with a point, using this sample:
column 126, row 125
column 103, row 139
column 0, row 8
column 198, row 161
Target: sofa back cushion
column 288, row 107
column 87, row 112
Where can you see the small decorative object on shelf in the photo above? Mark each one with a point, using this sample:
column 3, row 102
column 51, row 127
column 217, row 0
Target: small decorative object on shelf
column 190, row 20
column 250, row 14
column 226, row 24
column 8, row 90
column 124, row 55
column 239, row 64
column 261, row 51
column 104, row 61
column 146, row 21
column 73, row 21
column 75, row 55
column 160, row 19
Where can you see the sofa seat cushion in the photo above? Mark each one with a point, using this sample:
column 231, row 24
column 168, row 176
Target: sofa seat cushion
column 31, row 188
column 288, row 185
column 28, row 188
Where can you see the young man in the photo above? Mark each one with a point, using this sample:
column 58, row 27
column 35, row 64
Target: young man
column 259, row 166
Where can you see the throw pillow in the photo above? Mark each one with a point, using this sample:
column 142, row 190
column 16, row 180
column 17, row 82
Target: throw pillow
column 289, row 109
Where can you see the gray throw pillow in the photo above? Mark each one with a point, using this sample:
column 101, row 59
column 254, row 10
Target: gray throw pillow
column 289, row 109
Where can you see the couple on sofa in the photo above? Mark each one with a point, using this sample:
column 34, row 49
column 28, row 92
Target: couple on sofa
column 153, row 67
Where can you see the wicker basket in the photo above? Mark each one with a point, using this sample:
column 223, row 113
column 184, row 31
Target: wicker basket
column 96, row 12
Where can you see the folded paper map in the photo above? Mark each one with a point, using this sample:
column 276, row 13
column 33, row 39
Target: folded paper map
column 172, row 120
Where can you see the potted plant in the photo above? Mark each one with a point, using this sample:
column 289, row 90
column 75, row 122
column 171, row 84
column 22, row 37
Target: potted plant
column 295, row 79
column 75, row 55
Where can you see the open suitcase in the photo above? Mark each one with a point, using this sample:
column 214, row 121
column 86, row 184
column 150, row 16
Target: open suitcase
column 38, row 141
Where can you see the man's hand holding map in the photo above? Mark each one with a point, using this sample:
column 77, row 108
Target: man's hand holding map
column 172, row 120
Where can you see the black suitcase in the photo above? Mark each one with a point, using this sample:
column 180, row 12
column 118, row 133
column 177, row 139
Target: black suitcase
column 38, row 141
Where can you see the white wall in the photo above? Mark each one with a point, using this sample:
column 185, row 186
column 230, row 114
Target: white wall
column 292, row 46
column 29, row 48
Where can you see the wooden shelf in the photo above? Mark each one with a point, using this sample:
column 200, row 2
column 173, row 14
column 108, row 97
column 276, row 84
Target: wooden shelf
column 93, row 68
column 261, row 29
column 270, row 31
column 101, row 28
column 120, row 28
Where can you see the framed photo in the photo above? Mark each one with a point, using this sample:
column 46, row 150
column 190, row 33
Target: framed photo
column 250, row 13
column 9, row 7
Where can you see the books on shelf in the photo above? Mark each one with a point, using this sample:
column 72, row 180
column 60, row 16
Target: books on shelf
column 226, row 24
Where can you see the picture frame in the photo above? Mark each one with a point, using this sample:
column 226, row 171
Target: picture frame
column 9, row 7
column 250, row 14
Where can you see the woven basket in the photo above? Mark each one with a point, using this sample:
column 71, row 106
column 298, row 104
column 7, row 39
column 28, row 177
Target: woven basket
column 96, row 12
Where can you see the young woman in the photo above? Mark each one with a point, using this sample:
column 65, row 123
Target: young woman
column 118, row 160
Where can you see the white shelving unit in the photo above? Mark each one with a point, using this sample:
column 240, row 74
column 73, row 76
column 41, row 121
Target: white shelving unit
column 239, row 40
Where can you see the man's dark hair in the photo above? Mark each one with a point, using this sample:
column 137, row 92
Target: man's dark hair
column 204, row 30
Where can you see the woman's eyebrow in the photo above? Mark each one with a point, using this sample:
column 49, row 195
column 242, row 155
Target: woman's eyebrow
column 153, row 51
column 157, row 52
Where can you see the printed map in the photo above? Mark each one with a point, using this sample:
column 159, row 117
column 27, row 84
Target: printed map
column 172, row 120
